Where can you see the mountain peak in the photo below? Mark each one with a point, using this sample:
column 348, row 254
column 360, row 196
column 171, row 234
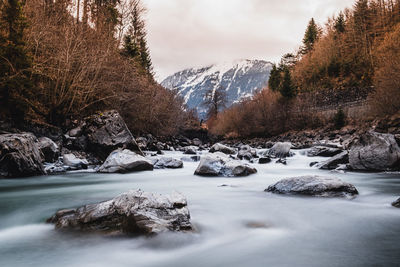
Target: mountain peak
column 240, row 78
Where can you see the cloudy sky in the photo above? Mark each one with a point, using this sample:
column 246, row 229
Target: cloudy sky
column 193, row 33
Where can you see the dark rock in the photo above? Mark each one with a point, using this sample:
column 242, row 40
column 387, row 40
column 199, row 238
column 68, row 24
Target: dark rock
column 281, row 161
column 134, row 212
column 334, row 162
column 191, row 159
column 49, row 149
column 222, row 148
column 190, row 150
column 125, row 161
column 197, row 142
column 314, row 186
column 218, row 164
column 313, row 163
column 20, row 156
column 375, row 152
column 396, row 204
column 107, row 132
column 264, row 160
column 166, row 163
column 322, row 151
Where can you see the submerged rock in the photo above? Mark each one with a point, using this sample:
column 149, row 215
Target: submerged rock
column 334, row 162
column 20, row 156
column 323, row 151
column 134, row 212
column 125, row 161
column 314, row 186
column 166, row 163
column 222, row 148
column 396, row 204
column 375, row 152
column 218, row 164
column 280, row 150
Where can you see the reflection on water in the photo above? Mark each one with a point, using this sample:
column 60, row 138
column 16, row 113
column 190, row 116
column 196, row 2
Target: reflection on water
column 237, row 224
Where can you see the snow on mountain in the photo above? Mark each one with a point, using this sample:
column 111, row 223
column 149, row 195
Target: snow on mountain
column 240, row 79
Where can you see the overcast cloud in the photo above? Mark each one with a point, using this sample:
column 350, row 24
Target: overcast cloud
column 192, row 33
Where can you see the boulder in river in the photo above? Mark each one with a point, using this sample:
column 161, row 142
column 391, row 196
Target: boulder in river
column 49, row 149
column 125, row 161
column 375, row 152
column 218, row 147
column 74, row 163
column 314, row 186
column 323, row 151
column 20, row 156
column 190, row 150
column 166, row 163
column 247, row 152
column 280, row 150
column 396, row 204
column 218, row 164
column 334, row 162
column 134, row 212
column 107, row 132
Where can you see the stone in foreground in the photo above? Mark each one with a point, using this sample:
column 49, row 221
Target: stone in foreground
column 375, row 152
column 396, row 204
column 125, row 161
column 20, row 156
column 317, row 186
column 218, row 164
column 218, row 147
column 134, row 212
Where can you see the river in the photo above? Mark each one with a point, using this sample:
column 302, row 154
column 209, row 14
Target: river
column 237, row 225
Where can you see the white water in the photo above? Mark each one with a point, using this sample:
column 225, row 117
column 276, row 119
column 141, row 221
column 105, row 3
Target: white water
column 292, row 231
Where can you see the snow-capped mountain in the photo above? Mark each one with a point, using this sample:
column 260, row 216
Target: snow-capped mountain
column 240, row 79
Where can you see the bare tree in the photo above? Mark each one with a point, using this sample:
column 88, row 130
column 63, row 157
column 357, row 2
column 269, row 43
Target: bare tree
column 215, row 101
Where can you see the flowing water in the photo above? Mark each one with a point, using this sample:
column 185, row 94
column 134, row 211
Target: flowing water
column 237, row 225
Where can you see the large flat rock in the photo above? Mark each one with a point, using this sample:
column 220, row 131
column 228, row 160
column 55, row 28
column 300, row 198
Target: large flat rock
column 218, row 164
column 318, row 186
column 133, row 212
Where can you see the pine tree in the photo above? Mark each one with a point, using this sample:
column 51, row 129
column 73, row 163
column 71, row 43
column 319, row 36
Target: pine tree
column 340, row 23
column 310, row 37
column 15, row 63
column 274, row 79
column 135, row 43
column 287, row 88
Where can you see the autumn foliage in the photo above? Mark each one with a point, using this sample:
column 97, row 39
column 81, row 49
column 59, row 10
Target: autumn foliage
column 77, row 64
